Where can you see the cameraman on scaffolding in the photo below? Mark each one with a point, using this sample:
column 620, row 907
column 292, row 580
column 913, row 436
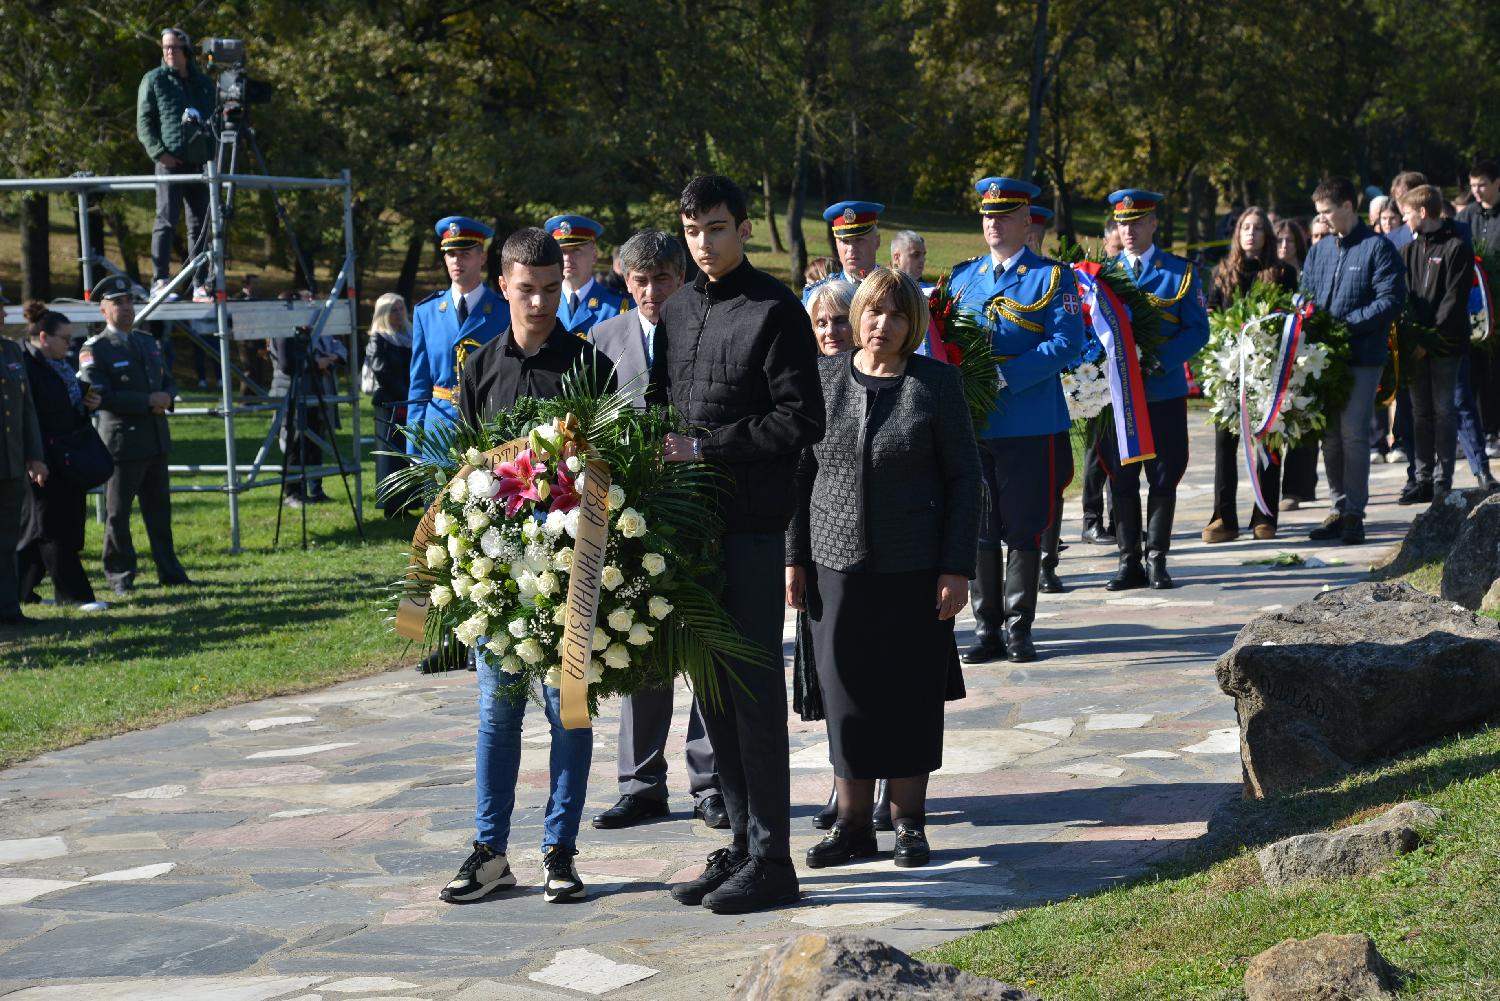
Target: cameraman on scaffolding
column 174, row 108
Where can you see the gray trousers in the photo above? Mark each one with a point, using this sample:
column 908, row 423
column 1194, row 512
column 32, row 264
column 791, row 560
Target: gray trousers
column 12, row 502
column 1434, row 415
column 1346, row 445
column 645, row 721
column 148, row 480
column 748, row 727
column 169, row 201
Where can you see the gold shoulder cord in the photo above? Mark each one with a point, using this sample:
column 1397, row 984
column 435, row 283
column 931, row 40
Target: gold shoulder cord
column 1162, row 304
column 1010, row 309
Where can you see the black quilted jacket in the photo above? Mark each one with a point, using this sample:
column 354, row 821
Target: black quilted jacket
column 894, row 484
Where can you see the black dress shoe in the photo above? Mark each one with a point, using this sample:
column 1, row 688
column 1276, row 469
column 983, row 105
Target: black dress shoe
column 912, row 849
column 1020, row 649
column 1354, row 531
column 758, row 884
column 984, row 650
column 1487, row 482
column 1131, row 575
column 721, row 865
column 629, row 811
column 1416, row 493
column 1156, row 572
column 1050, row 582
column 825, row 818
column 1332, row 528
column 842, row 844
column 1098, row 535
column 710, row 810
column 882, row 815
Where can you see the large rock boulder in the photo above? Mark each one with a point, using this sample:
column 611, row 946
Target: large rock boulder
column 1474, row 561
column 1325, row 968
column 1431, row 534
column 821, row 967
column 1353, row 851
column 1353, row 676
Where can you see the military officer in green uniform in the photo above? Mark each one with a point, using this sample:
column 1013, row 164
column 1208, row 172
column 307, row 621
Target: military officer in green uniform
column 20, row 460
column 126, row 368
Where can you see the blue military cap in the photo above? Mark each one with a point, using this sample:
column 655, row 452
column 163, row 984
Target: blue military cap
column 457, row 232
column 572, row 230
column 110, row 287
column 1040, row 215
column 1134, row 203
column 999, row 195
column 853, row 218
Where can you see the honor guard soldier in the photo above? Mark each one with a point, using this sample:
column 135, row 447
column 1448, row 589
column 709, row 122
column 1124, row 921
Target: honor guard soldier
column 450, row 325
column 1052, row 546
column 584, row 301
column 136, row 390
column 1032, row 309
column 1171, row 285
column 856, row 233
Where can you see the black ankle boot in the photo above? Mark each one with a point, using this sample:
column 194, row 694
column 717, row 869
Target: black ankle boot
column 824, row 818
column 842, row 844
column 883, row 806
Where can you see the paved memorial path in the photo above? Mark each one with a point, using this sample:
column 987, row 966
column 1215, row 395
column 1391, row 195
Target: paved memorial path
column 293, row 848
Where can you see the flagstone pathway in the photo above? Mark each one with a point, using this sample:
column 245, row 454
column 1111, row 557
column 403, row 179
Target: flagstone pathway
column 293, row 848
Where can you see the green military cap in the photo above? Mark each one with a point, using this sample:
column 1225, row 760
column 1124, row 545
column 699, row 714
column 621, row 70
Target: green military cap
column 110, row 287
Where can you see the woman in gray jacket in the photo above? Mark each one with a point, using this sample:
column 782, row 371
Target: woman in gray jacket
column 879, row 556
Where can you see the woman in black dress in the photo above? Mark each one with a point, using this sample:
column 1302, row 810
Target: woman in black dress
column 56, row 512
column 879, row 556
column 387, row 378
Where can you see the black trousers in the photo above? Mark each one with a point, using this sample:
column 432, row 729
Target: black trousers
column 389, row 438
column 170, row 198
column 304, row 418
column 1095, row 479
column 1023, row 478
column 1484, row 375
column 1228, row 460
column 1163, row 473
column 12, row 504
column 748, row 728
column 645, row 722
column 1300, row 477
column 53, row 540
column 148, row 480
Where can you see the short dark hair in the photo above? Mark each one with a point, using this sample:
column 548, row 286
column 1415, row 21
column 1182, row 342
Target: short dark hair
column 710, row 191
column 651, row 249
column 1337, row 190
column 1484, row 168
column 531, row 247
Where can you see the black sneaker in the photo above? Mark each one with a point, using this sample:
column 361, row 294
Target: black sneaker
column 1332, row 528
column 758, row 884
column 1416, row 493
column 560, row 876
column 483, row 872
column 721, row 865
column 911, row 847
column 1354, row 531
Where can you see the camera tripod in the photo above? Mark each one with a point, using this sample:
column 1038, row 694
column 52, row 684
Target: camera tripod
column 294, row 409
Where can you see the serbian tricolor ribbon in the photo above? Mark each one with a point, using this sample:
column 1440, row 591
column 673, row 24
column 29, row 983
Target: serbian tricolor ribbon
column 1481, row 304
column 1109, row 320
column 1252, row 435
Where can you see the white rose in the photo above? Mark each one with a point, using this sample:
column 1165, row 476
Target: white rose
column 441, row 596
column 456, row 546
column 481, row 590
column 441, row 523
column 477, row 520
column 620, row 620
column 482, row 567
column 574, row 464
column 469, row 630
column 461, row 585
column 491, row 542
column 563, row 560
column 517, row 628
column 572, row 523
column 481, row 484
column 458, row 491
column 556, row 524
column 640, row 635
column 616, row 656
column 601, row 640
column 546, row 583
column 553, row 678
column 560, row 615
column 474, row 457
column 616, row 497
column 530, row 651
column 510, row 664
column 436, row 557
column 611, row 577
column 631, row 524
column 653, row 563
column 497, row 644
column 594, row 674
column 658, row 607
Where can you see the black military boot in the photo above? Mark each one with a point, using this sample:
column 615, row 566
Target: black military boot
column 987, row 598
column 1162, row 509
column 1128, row 534
column 1021, row 577
column 1052, row 547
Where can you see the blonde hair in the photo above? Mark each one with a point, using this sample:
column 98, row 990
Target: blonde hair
column 911, row 302
column 384, row 306
column 1424, row 196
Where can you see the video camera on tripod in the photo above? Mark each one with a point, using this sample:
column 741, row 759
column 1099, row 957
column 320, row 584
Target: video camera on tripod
column 226, row 57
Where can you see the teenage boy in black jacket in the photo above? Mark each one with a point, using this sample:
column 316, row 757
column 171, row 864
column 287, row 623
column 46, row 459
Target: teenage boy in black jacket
column 1439, row 271
column 735, row 356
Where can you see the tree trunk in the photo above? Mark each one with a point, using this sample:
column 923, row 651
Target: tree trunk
column 406, row 281
column 774, row 231
column 130, row 251
column 796, row 242
column 1038, row 86
column 36, row 264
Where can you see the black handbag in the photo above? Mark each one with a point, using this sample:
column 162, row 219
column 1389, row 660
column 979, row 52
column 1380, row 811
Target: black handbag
column 80, row 457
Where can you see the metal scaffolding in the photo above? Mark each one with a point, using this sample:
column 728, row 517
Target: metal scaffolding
column 232, row 320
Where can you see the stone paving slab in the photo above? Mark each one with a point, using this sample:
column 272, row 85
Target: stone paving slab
column 293, row 848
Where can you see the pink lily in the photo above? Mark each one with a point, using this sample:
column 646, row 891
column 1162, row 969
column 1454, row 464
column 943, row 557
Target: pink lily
column 519, row 481
column 564, row 491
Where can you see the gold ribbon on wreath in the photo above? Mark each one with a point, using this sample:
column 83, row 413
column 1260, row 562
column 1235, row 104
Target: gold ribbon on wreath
column 584, row 579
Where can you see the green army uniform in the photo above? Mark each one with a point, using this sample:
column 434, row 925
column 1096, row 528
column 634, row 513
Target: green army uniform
column 20, row 443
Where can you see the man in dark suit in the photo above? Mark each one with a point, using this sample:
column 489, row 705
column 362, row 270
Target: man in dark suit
column 653, row 264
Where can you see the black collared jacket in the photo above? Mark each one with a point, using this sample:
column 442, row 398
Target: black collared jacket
column 498, row 374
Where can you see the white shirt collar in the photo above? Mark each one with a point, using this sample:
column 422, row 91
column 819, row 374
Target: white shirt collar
column 1145, row 258
column 1005, row 265
column 647, row 327
column 108, row 329
column 582, row 291
column 472, row 296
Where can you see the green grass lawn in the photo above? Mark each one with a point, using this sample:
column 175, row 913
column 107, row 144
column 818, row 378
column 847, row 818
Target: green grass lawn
column 265, row 621
column 1188, row 930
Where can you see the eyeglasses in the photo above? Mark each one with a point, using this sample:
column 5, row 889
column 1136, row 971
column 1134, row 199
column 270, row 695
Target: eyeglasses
column 169, row 48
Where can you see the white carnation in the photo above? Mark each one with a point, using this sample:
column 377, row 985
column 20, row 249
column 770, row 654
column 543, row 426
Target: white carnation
column 611, row 577
column 631, row 524
column 658, row 607
column 497, row 644
column 436, row 557
column 640, row 634
column 492, row 543
column 530, row 651
column 458, row 491
column 617, row 656
column 441, row 596
column 528, row 530
column 517, row 628
column 481, row 484
column 620, row 619
column 653, row 563
column 572, row 523
column 556, row 524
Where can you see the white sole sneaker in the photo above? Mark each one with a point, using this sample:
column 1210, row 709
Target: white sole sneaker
column 493, row 875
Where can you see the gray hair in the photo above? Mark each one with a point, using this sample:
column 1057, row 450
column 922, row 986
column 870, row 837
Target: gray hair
column 649, row 250
column 907, row 238
column 838, row 294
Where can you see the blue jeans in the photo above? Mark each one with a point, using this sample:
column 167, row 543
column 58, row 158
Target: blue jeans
column 1470, row 430
column 1346, row 445
column 497, row 762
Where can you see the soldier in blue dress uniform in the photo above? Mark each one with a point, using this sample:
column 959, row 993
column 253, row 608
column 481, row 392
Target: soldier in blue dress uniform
column 1031, row 305
column 1170, row 284
column 856, row 233
column 450, row 325
column 585, row 301
column 1052, row 546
